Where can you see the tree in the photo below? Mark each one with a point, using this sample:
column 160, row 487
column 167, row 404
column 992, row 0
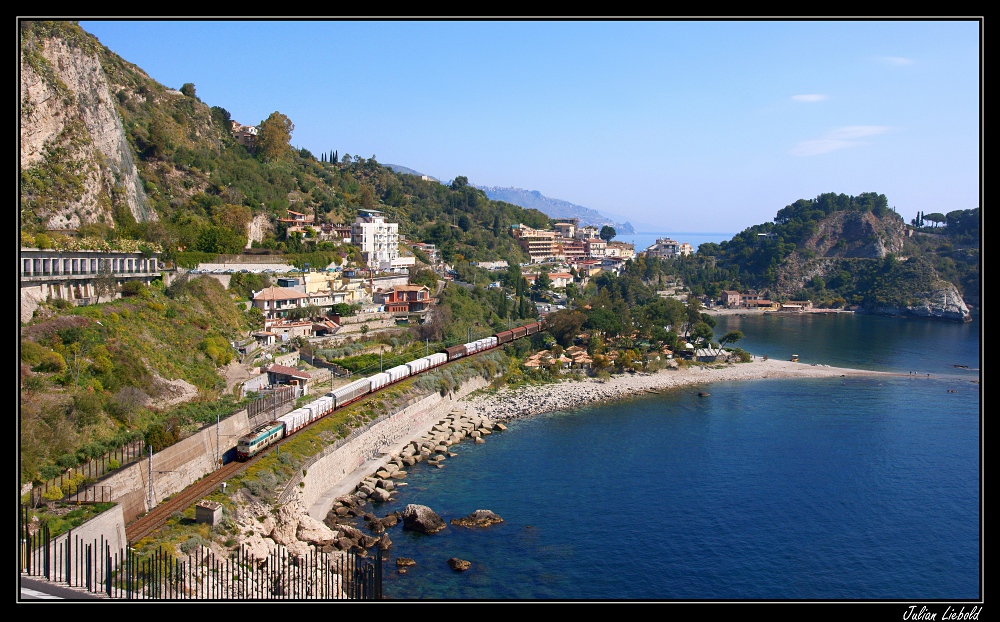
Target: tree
column 459, row 182
column 274, row 137
column 731, row 337
column 188, row 90
column 105, row 282
column 367, row 197
column 608, row 233
column 936, row 217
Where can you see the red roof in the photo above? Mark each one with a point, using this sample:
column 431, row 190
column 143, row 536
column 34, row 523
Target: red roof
column 287, row 371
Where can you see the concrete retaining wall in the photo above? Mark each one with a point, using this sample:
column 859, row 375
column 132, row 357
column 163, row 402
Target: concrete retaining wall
column 174, row 468
column 331, row 469
column 106, row 530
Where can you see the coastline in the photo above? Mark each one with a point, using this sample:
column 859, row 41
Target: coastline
column 509, row 404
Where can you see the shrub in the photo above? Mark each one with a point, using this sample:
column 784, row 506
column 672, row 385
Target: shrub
column 53, row 494
column 113, row 464
column 52, row 362
column 193, row 543
column 31, row 352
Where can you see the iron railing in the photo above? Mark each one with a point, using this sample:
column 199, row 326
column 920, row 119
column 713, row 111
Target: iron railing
column 200, row 574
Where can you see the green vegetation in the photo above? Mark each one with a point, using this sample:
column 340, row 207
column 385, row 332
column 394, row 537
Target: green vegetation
column 91, row 376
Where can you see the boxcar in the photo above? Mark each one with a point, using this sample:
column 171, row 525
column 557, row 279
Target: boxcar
column 437, row 359
column 418, row 365
column 378, row 381
column 519, row 331
column 398, row 373
column 295, row 420
column 350, row 392
column 455, row 352
column 505, row 336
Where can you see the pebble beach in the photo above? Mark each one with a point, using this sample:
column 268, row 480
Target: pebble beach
column 509, row 404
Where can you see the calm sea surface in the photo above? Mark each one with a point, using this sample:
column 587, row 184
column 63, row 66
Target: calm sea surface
column 773, row 489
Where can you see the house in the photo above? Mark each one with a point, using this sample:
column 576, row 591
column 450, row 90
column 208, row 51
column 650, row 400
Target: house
column 298, row 218
column 620, row 249
column 596, row 248
column 407, row 299
column 279, row 374
column 276, row 302
column 245, row 135
column 265, row 337
column 710, row 355
column 286, row 330
column 730, row 298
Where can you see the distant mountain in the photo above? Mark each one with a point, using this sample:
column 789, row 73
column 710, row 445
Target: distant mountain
column 554, row 208
column 409, row 171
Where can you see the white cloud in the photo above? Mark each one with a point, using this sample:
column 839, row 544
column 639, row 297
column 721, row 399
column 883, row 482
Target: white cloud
column 809, row 98
column 840, row 138
column 895, row 61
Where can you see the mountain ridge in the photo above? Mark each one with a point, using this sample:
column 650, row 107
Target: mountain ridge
column 554, row 208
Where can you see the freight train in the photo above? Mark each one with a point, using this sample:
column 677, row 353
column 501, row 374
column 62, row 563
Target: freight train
column 263, row 436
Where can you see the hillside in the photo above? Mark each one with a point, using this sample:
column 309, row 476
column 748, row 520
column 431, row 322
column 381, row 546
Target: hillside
column 554, row 208
column 107, row 152
column 840, row 250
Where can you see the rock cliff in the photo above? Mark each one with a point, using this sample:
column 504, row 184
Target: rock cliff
column 76, row 163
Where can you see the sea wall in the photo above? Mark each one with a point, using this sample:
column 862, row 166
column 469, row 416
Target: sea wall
column 337, row 462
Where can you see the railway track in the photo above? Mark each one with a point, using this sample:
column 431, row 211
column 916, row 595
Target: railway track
column 158, row 516
column 181, row 501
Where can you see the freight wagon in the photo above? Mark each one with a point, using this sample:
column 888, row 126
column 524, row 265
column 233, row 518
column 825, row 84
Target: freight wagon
column 270, row 433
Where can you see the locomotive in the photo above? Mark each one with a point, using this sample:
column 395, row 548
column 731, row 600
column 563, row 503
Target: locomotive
column 266, row 435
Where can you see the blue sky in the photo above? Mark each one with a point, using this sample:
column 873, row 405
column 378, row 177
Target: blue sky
column 673, row 125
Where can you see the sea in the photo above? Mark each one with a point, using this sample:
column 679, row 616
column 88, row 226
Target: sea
column 845, row 488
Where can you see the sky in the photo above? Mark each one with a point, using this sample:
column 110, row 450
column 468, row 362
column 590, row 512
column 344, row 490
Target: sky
column 697, row 126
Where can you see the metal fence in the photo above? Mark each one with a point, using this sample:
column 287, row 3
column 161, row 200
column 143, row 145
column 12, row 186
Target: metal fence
column 279, row 397
column 81, row 476
column 201, row 574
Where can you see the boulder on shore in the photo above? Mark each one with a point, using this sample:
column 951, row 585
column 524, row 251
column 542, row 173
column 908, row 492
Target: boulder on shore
column 421, row 518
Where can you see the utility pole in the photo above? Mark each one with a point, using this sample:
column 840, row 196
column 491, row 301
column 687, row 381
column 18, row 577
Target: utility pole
column 150, row 501
column 380, row 360
column 427, row 346
column 218, row 446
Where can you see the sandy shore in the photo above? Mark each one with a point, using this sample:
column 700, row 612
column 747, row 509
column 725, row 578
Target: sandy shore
column 512, row 403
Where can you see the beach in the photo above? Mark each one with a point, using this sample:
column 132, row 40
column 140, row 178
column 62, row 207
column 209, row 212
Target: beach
column 509, row 404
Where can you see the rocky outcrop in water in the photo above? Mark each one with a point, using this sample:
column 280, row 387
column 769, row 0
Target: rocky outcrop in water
column 421, row 518
column 479, row 518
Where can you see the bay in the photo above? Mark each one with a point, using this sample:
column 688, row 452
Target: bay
column 844, row 488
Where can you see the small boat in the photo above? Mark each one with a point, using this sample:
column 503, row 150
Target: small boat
column 703, row 394
column 795, row 358
column 961, row 366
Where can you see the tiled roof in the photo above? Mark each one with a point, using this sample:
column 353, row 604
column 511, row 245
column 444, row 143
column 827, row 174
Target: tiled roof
column 288, row 371
column 279, row 293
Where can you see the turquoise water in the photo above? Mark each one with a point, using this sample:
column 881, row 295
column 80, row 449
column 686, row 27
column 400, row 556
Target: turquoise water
column 837, row 488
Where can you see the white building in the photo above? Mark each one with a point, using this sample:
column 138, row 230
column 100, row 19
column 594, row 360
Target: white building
column 377, row 239
column 665, row 248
